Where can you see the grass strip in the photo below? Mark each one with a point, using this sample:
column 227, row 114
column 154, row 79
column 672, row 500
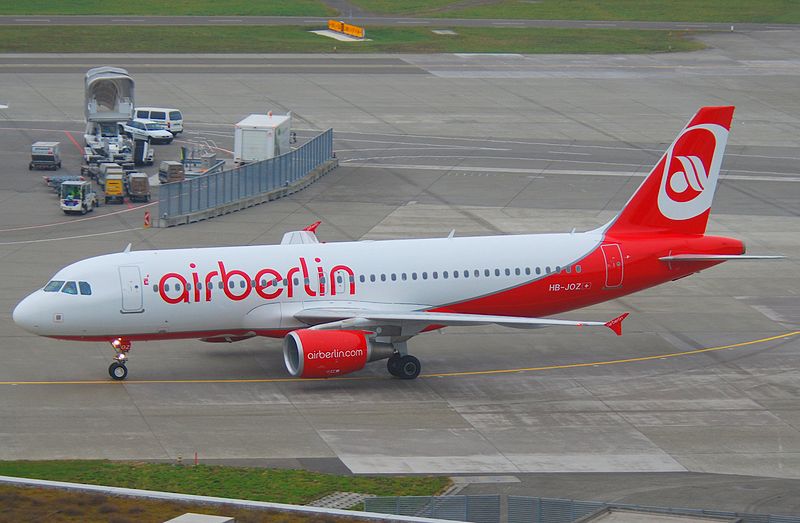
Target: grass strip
column 298, row 39
column 171, row 8
column 258, row 484
column 55, row 506
column 726, row 11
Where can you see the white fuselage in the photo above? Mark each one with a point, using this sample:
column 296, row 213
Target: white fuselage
column 211, row 292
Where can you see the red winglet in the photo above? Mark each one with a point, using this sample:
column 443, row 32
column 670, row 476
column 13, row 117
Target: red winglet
column 616, row 324
column 313, row 227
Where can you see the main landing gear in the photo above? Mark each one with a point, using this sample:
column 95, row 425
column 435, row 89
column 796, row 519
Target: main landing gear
column 404, row 367
column 117, row 370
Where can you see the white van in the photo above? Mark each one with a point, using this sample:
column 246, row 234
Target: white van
column 171, row 118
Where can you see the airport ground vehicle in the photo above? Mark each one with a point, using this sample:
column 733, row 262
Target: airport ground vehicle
column 77, row 197
column 114, row 188
column 147, row 130
column 137, row 186
column 260, row 137
column 45, row 155
column 103, row 169
column 171, row 171
column 171, row 118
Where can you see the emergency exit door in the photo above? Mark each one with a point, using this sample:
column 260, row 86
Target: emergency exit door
column 614, row 267
column 131, row 281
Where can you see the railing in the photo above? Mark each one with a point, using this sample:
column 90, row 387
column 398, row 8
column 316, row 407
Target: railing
column 217, row 193
column 524, row 509
column 476, row 509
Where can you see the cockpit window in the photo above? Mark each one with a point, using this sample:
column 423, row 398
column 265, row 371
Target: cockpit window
column 85, row 288
column 70, row 288
column 54, row 286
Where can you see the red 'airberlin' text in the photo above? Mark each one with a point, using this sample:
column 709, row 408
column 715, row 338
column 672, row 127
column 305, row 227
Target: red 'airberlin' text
column 267, row 283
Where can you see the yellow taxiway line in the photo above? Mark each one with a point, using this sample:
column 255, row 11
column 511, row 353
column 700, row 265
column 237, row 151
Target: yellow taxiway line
column 437, row 375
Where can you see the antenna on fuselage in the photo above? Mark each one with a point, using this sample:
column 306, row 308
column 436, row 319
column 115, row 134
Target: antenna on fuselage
column 128, row 248
column 452, row 233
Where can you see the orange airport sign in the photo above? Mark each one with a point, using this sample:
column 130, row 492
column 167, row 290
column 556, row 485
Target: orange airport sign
column 348, row 29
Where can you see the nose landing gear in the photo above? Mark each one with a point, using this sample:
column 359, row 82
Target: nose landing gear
column 117, row 370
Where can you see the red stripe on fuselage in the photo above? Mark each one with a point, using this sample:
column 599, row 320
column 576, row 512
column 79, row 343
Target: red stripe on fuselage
column 187, row 335
column 566, row 291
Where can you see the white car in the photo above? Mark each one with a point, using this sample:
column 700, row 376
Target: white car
column 148, row 130
column 171, row 118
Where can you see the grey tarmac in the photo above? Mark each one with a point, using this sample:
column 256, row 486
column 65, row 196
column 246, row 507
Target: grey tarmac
column 421, row 154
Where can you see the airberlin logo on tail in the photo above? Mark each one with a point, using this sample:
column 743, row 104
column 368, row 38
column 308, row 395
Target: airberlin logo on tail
column 691, row 169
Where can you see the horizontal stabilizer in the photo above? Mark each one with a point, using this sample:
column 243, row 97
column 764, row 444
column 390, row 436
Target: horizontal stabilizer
column 717, row 257
column 616, row 324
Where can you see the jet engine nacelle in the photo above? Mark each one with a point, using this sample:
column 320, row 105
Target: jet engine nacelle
column 325, row 354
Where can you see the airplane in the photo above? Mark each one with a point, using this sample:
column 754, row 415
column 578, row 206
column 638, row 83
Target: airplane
column 340, row 305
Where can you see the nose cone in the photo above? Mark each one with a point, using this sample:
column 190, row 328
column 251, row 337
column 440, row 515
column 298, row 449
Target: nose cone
column 28, row 315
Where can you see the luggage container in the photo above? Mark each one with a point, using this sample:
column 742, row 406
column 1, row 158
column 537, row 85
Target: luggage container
column 171, row 171
column 138, row 187
column 45, row 155
column 114, row 188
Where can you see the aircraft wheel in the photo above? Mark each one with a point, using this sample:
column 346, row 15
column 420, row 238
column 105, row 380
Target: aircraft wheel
column 409, row 368
column 118, row 371
column 393, row 365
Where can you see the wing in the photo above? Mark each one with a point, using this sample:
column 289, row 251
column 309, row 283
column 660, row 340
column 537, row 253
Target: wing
column 417, row 321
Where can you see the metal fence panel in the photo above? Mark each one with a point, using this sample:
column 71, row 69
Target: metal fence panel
column 523, row 509
column 483, row 509
column 474, row 509
column 225, row 187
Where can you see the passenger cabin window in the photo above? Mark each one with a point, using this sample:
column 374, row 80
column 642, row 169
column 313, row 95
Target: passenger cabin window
column 85, row 288
column 70, row 288
column 54, row 286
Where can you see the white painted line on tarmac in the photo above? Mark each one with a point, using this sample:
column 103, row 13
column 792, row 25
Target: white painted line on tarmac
column 31, row 19
column 68, row 222
column 45, row 240
column 223, row 20
column 432, row 145
column 570, row 153
column 623, row 174
column 127, row 19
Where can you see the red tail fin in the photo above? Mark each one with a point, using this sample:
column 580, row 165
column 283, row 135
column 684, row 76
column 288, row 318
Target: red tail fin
column 676, row 196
